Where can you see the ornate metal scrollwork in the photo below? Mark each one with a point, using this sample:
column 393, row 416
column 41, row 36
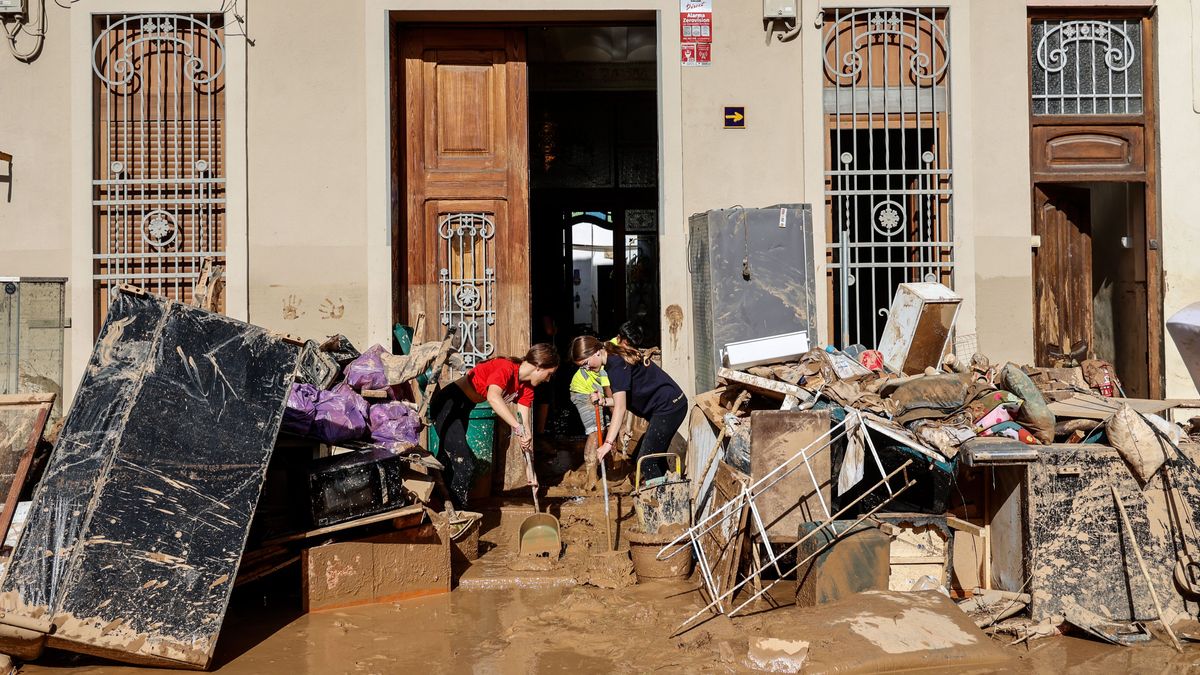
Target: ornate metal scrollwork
column 158, row 29
column 467, row 277
column 1119, row 52
column 903, row 25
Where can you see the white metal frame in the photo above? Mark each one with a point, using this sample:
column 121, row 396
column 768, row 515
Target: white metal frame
column 80, row 34
column 162, row 215
column 893, row 222
column 856, row 422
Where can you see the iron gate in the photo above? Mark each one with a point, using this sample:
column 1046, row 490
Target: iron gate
column 888, row 177
column 159, row 178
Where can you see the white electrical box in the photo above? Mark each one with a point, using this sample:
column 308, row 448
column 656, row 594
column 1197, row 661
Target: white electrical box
column 779, row 9
column 12, row 6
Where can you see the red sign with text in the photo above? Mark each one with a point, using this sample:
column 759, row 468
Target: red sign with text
column 695, row 32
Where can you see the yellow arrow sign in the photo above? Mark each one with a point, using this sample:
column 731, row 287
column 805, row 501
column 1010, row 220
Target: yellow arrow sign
column 736, row 117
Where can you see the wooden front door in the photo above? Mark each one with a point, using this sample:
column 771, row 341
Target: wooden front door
column 1062, row 270
column 465, row 255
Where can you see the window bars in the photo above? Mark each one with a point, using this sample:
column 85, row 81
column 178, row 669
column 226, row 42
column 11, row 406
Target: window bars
column 467, row 277
column 159, row 160
column 1086, row 67
column 888, row 175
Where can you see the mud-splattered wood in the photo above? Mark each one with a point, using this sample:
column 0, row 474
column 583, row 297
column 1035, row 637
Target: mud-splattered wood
column 761, row 385
column 775, row 437
column 136, row 531
column 417, row 510
column 1078, row 555
column 721, row 546
column 22, row 419
column 384, row 568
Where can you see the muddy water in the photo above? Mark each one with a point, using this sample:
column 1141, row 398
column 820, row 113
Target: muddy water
column 553, row 626
column 580, row 629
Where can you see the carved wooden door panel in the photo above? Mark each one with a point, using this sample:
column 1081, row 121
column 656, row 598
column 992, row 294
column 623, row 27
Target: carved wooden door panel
column 467, row 187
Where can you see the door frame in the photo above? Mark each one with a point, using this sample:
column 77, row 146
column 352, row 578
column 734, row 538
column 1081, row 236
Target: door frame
column 381, row 17
column 1140, row 134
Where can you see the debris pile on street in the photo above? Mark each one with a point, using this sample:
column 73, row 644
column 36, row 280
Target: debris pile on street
column 862, row 491
column 202, row 453
column 1035, row 496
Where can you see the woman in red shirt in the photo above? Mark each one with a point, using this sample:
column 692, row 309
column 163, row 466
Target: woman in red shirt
column 498, row 381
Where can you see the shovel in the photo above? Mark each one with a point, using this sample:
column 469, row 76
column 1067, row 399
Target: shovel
column 538, row 534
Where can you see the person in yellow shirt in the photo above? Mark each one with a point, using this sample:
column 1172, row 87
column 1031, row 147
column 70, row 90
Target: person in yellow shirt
column 587, row 389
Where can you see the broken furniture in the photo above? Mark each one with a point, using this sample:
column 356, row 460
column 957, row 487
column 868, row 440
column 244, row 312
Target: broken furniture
column 752, row 277
column 919, row 327
column 1078, row 554
column 138, row 526
column 386, row 567
column 22, row 420
column 920, row 548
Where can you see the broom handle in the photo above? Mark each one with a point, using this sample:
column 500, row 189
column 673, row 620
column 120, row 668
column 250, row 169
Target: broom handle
column 603, row 473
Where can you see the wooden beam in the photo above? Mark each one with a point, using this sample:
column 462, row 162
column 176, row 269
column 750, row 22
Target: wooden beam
column 368, row 520
column 771, row 388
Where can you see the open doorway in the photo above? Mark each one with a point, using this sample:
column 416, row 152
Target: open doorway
column 1090, row 281
column 593, row 166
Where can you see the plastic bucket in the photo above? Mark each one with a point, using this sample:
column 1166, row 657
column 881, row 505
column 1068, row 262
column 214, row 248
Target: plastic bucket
column 644, row 548
column 481, row 437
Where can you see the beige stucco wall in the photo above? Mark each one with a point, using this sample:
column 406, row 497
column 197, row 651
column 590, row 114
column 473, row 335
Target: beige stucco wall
column 1179, row 161
column 995, row 174
column 34, row 122
column 307, row 193
column 309, row 157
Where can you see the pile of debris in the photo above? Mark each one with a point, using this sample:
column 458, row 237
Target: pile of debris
column 201, row 453
column 1039, row 497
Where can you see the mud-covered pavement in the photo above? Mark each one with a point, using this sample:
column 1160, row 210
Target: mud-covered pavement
column 501, row 620
column 505, row 617
column 579, row 629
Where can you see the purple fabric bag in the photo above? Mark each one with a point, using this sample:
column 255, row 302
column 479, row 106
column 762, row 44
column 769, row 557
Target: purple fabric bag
column 341, row 415
column 393, row 423
column 367, row 372
column 301, row 409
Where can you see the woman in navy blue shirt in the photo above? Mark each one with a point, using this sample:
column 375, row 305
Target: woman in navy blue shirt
column 640, row 387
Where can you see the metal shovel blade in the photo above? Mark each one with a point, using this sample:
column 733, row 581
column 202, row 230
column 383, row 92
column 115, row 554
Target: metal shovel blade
column 538, row 536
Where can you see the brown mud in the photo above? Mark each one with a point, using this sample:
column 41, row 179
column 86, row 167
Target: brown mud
column 581, row 629
column 501, row 620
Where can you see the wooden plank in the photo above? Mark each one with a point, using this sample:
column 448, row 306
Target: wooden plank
column 403, row 512
column 761, row 385
column 26, row 399
column 722, row 545
column 775, row 436
column 148, row 496
column 1152, row 228
column 1096, row 407
column 22, row 420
